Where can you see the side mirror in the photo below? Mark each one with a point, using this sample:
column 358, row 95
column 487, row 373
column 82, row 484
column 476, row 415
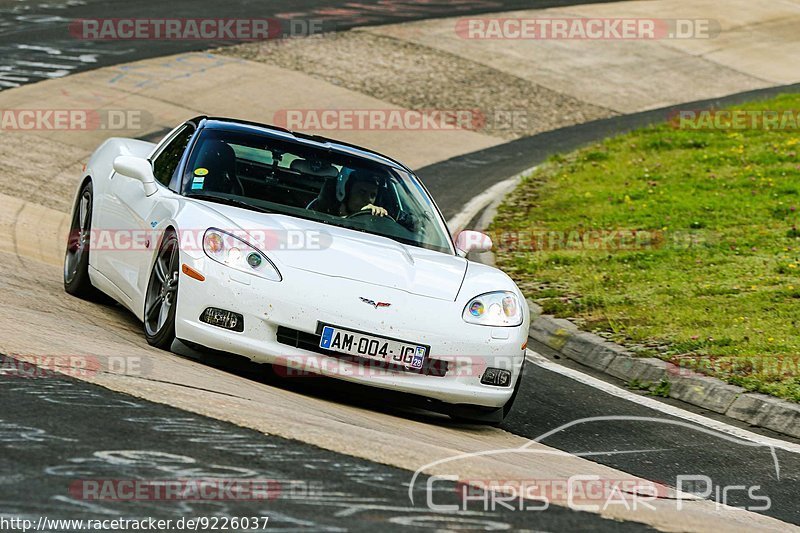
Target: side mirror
column 137, row 168
column 473, row 241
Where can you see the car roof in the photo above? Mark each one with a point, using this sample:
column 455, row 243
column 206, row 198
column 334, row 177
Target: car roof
column 231, row 124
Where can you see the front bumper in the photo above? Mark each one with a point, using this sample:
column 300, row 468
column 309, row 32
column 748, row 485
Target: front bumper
column 304, row 299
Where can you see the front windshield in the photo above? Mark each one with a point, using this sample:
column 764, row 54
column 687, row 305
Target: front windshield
column 282, row 176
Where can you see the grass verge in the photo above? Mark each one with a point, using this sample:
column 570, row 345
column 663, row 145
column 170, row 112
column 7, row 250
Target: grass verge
column 679, row 243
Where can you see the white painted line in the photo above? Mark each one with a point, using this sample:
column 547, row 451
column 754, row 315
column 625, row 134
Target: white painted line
column 39, row 64
column 661, row 407
column 47, row 49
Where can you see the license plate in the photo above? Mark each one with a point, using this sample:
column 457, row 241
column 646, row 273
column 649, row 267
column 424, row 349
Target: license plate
column 371, row 347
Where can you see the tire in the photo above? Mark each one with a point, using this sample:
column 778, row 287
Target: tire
column 476, row 414
column 509, row 405
column 76, row 257
column 162, row 294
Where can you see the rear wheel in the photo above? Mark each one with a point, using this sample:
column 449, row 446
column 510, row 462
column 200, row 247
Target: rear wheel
column 162, row 295
column 76, row 259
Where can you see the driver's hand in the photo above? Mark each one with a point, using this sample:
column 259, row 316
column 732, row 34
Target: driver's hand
column 376, row 210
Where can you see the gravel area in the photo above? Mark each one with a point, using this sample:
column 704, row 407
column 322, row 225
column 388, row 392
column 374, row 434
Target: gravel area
column 417, row 77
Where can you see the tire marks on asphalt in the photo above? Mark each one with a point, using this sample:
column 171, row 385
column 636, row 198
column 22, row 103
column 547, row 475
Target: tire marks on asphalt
column 319, row 490
column 27, row 57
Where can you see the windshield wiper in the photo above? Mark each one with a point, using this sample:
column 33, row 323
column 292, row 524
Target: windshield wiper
column 229, row 201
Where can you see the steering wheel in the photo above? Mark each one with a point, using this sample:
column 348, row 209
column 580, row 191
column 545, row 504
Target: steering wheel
column 365, row 212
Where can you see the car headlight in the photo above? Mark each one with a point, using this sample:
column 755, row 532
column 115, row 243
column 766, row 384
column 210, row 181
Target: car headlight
column 232, row 251
column 494, row 309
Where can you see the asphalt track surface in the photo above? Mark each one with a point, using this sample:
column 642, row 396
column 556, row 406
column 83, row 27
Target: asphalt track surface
column 62, row 433
column 33, row 461
column 36, row 42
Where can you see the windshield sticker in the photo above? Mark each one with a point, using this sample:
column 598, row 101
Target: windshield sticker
column 197, row 182
column 201, row 171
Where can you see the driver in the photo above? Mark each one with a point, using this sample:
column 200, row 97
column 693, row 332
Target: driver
column 357, row 193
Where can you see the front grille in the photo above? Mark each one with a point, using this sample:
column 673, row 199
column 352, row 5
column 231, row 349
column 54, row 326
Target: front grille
column 310, row 342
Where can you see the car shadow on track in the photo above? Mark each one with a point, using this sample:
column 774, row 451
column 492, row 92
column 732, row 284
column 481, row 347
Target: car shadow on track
column 401, row 405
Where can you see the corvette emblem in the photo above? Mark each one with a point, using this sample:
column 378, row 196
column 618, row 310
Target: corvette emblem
column 375, row 304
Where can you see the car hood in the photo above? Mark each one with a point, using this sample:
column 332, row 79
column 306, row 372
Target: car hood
column 343, row 253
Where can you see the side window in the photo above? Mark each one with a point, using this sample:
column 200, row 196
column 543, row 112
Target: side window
column 167, row 161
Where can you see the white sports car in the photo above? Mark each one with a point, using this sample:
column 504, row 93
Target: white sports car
column 303, row 252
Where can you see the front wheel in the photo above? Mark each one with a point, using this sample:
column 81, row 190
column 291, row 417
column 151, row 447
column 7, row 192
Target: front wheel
column 162, row 295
